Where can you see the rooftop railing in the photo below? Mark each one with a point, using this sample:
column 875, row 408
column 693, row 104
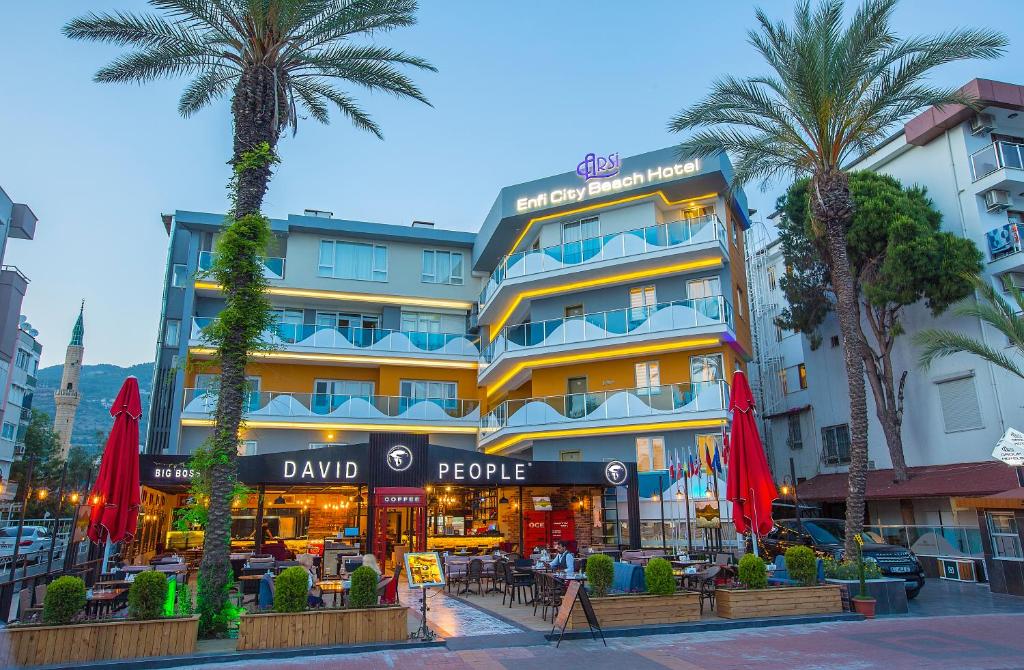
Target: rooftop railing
column 339, row 406
column 997, row 156
column 595, row 326
column 273, row 267
column 622, row 244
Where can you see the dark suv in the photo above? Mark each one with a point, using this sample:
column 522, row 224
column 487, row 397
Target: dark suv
column 825, row 537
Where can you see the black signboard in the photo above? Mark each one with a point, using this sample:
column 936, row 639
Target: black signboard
column 573, row 592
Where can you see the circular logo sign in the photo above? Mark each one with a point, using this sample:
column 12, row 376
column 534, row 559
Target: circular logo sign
column 616, row 473
column 399, row 458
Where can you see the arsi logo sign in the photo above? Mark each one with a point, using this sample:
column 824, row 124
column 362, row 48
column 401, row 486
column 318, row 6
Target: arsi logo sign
column 399, row 458
column 616, row 473
column 598, row 167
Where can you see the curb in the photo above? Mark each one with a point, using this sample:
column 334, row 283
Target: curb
column 709, row 626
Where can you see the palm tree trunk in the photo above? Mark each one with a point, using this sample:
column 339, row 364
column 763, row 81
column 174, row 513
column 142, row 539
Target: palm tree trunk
column 254, row 124
column 832, row 208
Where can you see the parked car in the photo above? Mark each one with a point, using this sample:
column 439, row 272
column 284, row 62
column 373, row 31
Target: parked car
column 35, row 542
column 826, row 538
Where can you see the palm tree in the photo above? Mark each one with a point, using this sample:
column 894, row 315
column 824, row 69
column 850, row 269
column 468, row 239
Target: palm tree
column 833, row 91
column 274, row 57
column 993, row 310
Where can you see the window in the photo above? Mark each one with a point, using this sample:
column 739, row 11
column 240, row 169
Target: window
column 574, row 231
column 179, row 275
column 650, row 454
column 21, row 360
column 706, row 287
column 353, row 260
column 772, row 281
column 247, row 448
column 573, row 456
column 706, row 368
column 784, row 381
column 959, row 401
column 1005, row 537
column 424, row 389
column 739, row 300
column 834, row 341
column 795, row 440
column 8, row 430
column 343, row 387
column 346, row 320
column 801, row 371
column 641, row 300
column 321, row 445
column 442, row 267
column 648, row 374
column 836, row 441
column 779, row 333
column 172, row 332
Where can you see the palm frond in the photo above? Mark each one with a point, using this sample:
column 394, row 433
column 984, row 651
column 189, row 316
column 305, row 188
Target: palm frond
column 309, row 87
column 204, row 89
column 936, row 344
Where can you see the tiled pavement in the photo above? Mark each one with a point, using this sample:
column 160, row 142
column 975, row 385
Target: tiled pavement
column 451, row 617
column 982, row 642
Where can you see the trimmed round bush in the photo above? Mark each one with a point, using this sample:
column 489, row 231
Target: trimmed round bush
column 660, row 579
column 65, row 598
column 753, row 572
column 802, row 565
column 600, row 572
column 363, row 592
column 291, row 589
column 147, row 595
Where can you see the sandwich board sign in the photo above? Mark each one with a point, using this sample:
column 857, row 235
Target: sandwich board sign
column 574, row 591
column 1010, row 448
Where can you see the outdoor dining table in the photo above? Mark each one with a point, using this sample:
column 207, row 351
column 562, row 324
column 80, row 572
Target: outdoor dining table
column 98, row 603
column 334, row 587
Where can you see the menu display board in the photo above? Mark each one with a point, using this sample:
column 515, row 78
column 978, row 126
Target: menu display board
column 574, row 591
column 423, row 569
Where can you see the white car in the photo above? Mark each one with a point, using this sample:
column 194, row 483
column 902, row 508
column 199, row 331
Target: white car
column 34, row 541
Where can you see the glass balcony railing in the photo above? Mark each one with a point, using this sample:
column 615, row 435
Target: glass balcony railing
column 997, row 156
column 933, row 540
column 370, row 407
column 613, row 245
column 603, row 405
column 273, row 268
column 366, row 339
column 665, row 316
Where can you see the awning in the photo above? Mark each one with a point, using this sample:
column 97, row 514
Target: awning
column 930, row 481
column 1011, row 499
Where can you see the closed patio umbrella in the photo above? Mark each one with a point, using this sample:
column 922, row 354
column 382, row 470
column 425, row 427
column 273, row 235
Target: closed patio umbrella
column 115, row 515
column 749, row 485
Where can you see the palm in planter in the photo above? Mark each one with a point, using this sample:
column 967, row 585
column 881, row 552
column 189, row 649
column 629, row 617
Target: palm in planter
column 832, row 92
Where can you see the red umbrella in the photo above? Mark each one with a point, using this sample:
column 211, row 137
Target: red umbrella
column 114, row 517
column 749, row 486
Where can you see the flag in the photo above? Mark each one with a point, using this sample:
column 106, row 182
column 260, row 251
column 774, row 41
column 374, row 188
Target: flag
column 707, row 460
column 680, row 472
column 716, row 463
column 694, row 467
column 725, row 447
column 671, row 469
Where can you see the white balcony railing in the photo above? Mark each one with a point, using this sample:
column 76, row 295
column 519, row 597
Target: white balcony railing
column 273, row 267
column 997, row 156
column 624, row 244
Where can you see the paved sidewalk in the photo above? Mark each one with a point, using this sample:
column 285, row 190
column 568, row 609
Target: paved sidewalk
column 981, row 642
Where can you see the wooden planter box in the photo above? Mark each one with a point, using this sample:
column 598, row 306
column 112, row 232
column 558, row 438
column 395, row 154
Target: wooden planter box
column 99, row 641
column 777, row 601
column 639, row 610
column 322, row 628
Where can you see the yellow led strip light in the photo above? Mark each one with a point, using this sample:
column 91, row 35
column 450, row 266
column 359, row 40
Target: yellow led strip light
column 354, row 297
column 604, row 430
column 346, row 358
column 394, row 427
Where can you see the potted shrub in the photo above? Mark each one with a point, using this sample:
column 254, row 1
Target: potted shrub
column 757, row 599
column 291, row 590
column 753, row 573
column 660, row 579
column 863, row 602
column 600, row 572
column 65, row 598
column 363, row 592
column 147, row 595
column 802, row 565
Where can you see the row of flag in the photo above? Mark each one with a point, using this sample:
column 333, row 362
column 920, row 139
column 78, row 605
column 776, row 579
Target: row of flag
column 709, row 459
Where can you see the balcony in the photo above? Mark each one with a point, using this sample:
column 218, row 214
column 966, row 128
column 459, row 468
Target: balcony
column 999, row 165
column 591, row 254
column 522, row 420
column 273, row 268
column 309, row 338
column 603, row 332
column 321, row 410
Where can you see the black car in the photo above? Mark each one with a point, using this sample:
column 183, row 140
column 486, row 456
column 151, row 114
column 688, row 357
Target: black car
column 825, row 537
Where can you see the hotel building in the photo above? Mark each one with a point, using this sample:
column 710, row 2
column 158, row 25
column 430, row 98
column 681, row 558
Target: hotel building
column 594, row 319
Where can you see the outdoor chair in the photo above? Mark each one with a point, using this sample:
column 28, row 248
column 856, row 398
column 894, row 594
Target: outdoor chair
column 26, row 611
column 515, row 582
column 724, row 558
column 498, row 571
column 474, row 575
column 705, row 587
column 456, row 574
column 382, row 587
column 266, row 594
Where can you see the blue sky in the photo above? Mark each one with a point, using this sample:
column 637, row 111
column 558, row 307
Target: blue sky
column 524, row 89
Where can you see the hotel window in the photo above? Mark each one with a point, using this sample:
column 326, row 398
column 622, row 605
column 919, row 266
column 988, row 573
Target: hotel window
column 345, row 388
column 706, row 368
column 772, row 282
column 959, row 401
column 573, row 456
column 288, row 323
column 779, row 333
column 343, row 320
column 641, row 300
column 21, row 360
column 421, row 322
column 739, row 300
column 574, row 231
column 247, row 448
column 836, row 443
column 648, row 375
column 179, row 275
column 650, row 454
column 442, row 267
column 8, row 431
column 795, row 439
column 707, row 287
column 172, row 332
column 353, row 260
column 801, row 371
column 422, row 389
column 1006, row 544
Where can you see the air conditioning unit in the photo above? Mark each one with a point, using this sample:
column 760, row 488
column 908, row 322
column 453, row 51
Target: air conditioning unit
column 982, row 123
column 996, row 199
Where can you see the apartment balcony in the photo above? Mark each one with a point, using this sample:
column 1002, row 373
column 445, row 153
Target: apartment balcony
column 273, row 268
column 370, row 342
column 602, row 334
column 1004, row 248
column 999, row 165
column 515, row 424
column 320, row 411
column 602, row 258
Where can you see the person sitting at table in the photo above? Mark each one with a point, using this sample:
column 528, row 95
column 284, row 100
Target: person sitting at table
column 370, row 561
column 267, row 533
column 563, row 559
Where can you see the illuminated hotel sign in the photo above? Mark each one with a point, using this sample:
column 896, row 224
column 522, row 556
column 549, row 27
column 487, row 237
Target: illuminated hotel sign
column 481, row 472
column 596, row 186
column 596, row 167
column 320, row 470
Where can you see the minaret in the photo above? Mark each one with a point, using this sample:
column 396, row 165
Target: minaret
column 67, row 396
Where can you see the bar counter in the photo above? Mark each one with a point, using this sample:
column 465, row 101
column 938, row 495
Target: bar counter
column 452, row 542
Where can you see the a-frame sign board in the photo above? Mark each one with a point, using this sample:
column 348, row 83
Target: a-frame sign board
column 573, row 592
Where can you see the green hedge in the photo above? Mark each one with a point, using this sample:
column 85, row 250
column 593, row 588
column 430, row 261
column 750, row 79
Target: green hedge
column 291, row 589
column 147, row 595
column 848, row 569
column 660, row 579
column 65, row 598
column 600, row 572
column 753, row 573
column 802, row 565
column 363, row 592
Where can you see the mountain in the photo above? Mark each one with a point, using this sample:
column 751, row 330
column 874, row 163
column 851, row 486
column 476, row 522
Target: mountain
column 99, row 385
